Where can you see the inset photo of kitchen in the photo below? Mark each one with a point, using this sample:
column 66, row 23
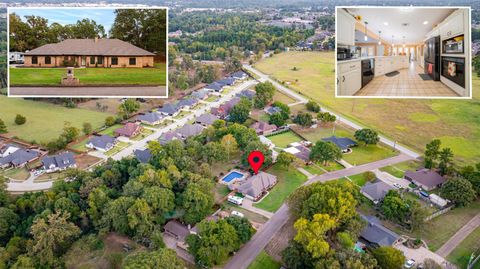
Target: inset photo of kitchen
column 403, row 52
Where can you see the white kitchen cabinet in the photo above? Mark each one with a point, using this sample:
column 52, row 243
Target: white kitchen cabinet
column 453, row 25
column 349, row 79
column 345, row 28
column 384, row 65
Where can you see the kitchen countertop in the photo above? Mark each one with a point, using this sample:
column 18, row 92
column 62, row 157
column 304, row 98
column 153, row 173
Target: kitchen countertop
column 365, row 58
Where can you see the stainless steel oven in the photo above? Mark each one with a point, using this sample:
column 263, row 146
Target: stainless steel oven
column 453, row 68
column 454, row 45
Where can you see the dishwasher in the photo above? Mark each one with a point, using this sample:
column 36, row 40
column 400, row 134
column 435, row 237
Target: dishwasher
column 368, row 68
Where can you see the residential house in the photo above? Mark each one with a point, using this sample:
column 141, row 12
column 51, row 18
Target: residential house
column 8, row 149
column 215, row 86
column 178, row 231
column 165, row 138
column 223, row 110
column 206, row 119
column 249, row 94
column 187, row 103
column 201, row 94
column 376, row 191
column 263, row 128
column 239, row 75
column 130, row 129
column 59, row 162
column 229, row 81
column 169, row 110
column 89, row 53
column 19, row 158
column 299, row 150
column 344, row 143
column 102, row 143
column 143, row 156
column 272, row 110
column 256, row 186
column 151, row 118
column 425, row 178
column 189, row 130
column 376, row 235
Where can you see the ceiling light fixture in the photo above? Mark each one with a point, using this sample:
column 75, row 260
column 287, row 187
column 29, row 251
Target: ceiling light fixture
column 425, row 22
column 392, row 41
column 404, row 41
column 365, row 36
column 385, row 23
column 379, row 39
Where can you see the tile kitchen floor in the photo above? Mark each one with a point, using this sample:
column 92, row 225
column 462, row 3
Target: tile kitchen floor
column 407, row 83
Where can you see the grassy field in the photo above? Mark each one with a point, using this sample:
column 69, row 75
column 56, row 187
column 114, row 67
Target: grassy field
column 318, row 169
column 16, row 173
column 281, row 97
column 359, row 179
column 366, row 154
column 314, row 135
column 461, row 254
column 284, row 139
column 89, row 76
column 411, row 122
column 288, row 181
column 264, row 261
column 44, row 121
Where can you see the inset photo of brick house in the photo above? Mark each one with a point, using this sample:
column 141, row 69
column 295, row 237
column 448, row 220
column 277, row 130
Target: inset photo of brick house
column 88, row 52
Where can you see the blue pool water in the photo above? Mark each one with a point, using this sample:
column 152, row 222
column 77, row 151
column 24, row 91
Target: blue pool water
column 231, row 176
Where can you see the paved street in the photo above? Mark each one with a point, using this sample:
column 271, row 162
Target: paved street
column 302, row 99
column 121, row 91
column 249, row 251
column 459, row 236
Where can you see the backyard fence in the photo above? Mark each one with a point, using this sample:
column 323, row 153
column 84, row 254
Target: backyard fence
column 280, row 131
column 440, row 212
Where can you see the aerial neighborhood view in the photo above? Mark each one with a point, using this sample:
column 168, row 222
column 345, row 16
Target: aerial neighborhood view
column 222, row 134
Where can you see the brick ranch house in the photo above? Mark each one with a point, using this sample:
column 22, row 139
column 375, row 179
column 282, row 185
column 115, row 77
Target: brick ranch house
column 89, row 53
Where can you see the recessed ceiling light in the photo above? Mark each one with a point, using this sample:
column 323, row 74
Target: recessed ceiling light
column 425, row 22
column 385, row 23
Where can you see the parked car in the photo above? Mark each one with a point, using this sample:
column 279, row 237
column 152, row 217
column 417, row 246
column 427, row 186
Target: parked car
column 238, row 214
column 396, row 185
column 409, row 264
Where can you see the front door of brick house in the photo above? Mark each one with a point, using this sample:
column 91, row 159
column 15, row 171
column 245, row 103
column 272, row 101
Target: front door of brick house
column 84, row 60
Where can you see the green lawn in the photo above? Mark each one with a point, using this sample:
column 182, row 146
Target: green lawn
column 89, row 76
column 111, row 130
column 142, row 135
column 412, row 122
column 16, row 173
column 438, row 230
column 399, row 169
column 81, row 145
column 359, row 179
column 118, row 147
column 288, row 181
column 461, row 254
column 281, row 97
column 44, row 120
column 318, row 169
column 264, row 261
column 212, row 98
column 182, row 114
column 284, row 139
column 314, row 135
column 366, row 154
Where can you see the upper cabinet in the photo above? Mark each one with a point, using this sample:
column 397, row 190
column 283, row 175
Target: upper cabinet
column 345, row 28
column 453, row 25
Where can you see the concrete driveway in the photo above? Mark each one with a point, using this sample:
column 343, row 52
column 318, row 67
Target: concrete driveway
column 390, row 179
column 420, row 254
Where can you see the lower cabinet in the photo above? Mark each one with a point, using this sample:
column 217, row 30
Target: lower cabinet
column 350, row 82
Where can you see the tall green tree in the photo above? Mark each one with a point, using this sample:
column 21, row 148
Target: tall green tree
column 230, row 145
column 163, row 258
column 241, row 111
column 285, row 159
column 367, row 136
column 432, row 152
column 445, row 161
column 458, row 190
column 325, row 152
column 3, row 127
column 52, row 237
column 389, row 257
column 312, row 234
column 264, row 94
column 303, row 119
column 128, row 107
column 197, row 203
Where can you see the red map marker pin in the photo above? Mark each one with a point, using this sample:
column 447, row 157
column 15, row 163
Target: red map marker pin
column 255, row 159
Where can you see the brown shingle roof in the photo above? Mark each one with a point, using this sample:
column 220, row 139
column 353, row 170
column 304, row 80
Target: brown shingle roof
column 103, row 47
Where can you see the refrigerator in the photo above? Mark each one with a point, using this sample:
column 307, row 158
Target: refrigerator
column 432, row 58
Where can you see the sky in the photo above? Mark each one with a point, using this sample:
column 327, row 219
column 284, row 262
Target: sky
column 66, row 16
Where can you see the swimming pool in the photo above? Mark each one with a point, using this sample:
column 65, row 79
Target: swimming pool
column 232, row 176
